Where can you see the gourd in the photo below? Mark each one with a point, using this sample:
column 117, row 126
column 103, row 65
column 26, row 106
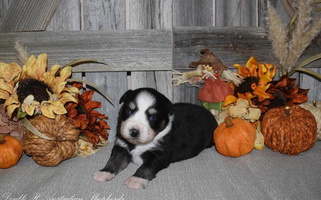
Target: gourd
column 289, row 130
column 10, row 151
column 234, row 137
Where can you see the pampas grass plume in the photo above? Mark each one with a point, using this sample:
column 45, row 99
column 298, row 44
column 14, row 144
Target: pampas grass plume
column 277, row 35
column 290, row 43
column 22, row 52
column 306, row 29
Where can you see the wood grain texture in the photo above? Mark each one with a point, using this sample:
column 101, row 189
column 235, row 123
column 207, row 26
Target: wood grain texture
column 280, row 10
column 67, row 17
column 115, row 85
column 314, row 85
column 107, row 15
column 262, row 6
column 29, row 15
column 160, row 80
column 145, row 14
column 104, row 15
column 186, row 94
column 192, row 13
column 130, row 50
column 4, row 7
column 230, row 44
column 236, row 13
column 150, row 61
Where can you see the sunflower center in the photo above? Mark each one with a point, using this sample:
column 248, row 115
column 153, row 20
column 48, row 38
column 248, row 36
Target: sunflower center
column 33, row 87
column 247, row 85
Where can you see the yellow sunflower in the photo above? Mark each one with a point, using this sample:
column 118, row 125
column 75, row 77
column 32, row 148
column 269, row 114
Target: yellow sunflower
column 32, row 90
column 255, row 83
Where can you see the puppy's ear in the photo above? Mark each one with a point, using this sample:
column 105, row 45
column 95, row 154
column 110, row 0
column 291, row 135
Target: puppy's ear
column 125, row 95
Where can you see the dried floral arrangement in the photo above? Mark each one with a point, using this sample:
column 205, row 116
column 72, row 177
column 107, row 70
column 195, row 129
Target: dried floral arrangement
column 291, row 40
column 253, row 95
column 52, row 114
column 246, row 94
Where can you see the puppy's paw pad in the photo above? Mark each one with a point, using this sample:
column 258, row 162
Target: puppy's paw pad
column 101, row 176
column 136, row 183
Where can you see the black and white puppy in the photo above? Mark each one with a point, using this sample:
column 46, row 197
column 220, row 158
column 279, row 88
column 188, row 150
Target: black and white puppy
column 152, row 132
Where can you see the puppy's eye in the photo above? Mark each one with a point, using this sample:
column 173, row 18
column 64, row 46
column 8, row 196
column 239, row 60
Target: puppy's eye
column 152, row 118
column 128, row 111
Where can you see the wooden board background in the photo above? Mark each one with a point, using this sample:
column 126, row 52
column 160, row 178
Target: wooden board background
column 181, row 27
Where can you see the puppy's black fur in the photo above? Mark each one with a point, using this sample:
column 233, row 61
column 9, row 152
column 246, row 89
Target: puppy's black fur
column 190, row 132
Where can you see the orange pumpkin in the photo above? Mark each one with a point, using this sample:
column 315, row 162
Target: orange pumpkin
column 289, row 130
column 10, row 151
column 234, row 137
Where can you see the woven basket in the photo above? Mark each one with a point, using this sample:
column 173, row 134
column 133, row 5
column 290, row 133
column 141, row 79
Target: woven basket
column 62, row 142
column 289, row 130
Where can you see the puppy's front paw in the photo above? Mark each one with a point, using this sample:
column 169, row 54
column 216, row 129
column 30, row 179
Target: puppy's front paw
column 102, row 176
column 136, row 183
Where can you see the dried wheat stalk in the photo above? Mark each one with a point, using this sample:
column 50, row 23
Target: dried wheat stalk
column 22, row 52
column 289, row 42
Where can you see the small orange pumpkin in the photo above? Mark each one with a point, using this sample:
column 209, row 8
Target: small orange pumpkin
column 10, row 151
column 234, row 137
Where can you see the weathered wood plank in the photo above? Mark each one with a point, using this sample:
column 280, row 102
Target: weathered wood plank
column 236, row 13
column 231, row 44
column 192, row 13
column 186, row 94
column 121, row 50
column 145, row 14
column 104, row 15
column 29, row 15
column 262, row 13
column 96, row 15
column 4, row 7
column 139, row 50
column 262, row 6
column 67, row 17
column 115, row 84
column 314, row 85
column 160, row 80
column 142, row 79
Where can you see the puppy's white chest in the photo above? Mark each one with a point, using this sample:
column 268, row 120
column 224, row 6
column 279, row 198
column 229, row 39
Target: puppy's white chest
column 136, row 158
column 138, row 151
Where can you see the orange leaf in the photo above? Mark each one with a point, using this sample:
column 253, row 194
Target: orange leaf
column 87, row 95
column 90, row 105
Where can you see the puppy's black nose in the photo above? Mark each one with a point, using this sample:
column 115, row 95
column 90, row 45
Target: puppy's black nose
column 134, row 132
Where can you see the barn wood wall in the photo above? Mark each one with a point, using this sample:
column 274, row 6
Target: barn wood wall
column 181, row 21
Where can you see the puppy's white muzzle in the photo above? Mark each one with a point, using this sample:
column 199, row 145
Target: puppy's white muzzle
column 136, row 133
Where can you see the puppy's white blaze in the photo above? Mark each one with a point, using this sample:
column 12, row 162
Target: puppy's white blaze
column 144, row 101
column 139, row 149
column 139, row 120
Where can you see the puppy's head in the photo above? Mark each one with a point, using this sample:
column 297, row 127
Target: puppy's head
column 144, row 113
